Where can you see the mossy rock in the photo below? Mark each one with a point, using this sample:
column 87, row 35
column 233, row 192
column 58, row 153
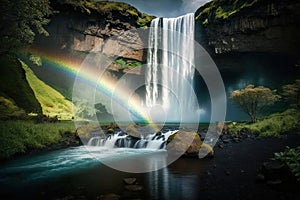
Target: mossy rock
column 86, row 131
column 132, row 130
column 184, row 143
column 206, row 151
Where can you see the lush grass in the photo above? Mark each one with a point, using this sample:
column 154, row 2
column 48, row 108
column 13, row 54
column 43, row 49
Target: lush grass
column 21, row 136
column 53, row 103
column 14, row 86
column 272, row 126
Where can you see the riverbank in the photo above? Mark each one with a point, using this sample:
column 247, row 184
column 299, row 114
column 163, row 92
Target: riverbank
column 22, row 137
column 231, row 174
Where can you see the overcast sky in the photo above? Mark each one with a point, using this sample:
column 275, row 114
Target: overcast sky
column 166, row 8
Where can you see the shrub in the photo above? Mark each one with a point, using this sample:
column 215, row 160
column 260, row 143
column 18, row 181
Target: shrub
column 290, row 156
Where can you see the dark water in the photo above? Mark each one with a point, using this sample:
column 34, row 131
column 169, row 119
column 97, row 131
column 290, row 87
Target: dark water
column 75, row 173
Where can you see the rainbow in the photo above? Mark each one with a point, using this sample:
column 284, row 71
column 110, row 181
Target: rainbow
column 106, row 85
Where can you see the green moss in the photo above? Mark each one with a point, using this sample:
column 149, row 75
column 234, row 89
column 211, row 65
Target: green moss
column 123, row 63
column 88, row 6
column 9, row 110
column 272, row 126
column 220, row 10
column 20, row 136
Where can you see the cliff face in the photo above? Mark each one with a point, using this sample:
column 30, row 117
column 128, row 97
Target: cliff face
column 107, row 27
column 249, row 26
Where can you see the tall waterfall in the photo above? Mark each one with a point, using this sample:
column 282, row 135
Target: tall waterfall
column 170, row 68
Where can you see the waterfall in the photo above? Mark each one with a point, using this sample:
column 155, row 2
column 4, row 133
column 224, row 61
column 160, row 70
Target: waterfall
column 123, row 140
column 170, row 66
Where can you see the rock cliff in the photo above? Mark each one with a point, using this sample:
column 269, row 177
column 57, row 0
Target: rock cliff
column 249, row 26
column 108, row 27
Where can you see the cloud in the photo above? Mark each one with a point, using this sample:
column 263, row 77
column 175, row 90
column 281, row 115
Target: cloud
column 192, row 5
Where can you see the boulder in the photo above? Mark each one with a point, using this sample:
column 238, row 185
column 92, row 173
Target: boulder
column 184, row 143
column 132, row 130
column 205, row 151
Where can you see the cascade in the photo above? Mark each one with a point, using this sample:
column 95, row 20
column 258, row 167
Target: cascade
column 170, row 67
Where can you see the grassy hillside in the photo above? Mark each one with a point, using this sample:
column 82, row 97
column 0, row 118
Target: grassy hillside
column 53, row 103
column 15, row 91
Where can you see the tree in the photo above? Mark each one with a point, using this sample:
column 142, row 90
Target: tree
column 291, row 93
column 20, row 21
column 252, row 99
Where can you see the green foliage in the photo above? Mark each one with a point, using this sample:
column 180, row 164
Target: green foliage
column 53, row 103
column 14, row 86
column 20, row 136
column 252, row 99
column 89, row 6
column 36, row 60
column 127, row 63
column 220, row 10
column 290, row 156
column 271, row 126
column 9, row 110
column 20, row 21
column 291, row 93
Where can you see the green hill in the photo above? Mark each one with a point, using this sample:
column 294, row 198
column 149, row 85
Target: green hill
column 15, row 91
column 53, row 103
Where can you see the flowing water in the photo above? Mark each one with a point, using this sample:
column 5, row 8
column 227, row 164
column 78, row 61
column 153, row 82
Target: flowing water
column 170, row 69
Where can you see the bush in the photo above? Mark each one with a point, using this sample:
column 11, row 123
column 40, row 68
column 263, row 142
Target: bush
column 290, row 156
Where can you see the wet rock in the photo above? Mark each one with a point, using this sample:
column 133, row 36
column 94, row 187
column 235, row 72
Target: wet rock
column 132, row 130
column 184, row 143
column 206, row 151
column 134, row 188
column 129, row 181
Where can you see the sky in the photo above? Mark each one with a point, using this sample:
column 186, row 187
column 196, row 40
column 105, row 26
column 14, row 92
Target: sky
column 166, row 8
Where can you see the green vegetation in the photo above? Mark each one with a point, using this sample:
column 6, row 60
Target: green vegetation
column 220, row 10
column 88, row 6
column 9, row 110
column 291, row 93
column 290, row 156
column 15, row 91
column 127, row 63
column 272, row 126
column 20, row 21
column 21, row 136
column 253, row 99
column 52, row 102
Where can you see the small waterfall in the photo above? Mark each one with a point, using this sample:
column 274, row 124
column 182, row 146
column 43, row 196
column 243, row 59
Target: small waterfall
column 170, row 68
column 122, row 140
